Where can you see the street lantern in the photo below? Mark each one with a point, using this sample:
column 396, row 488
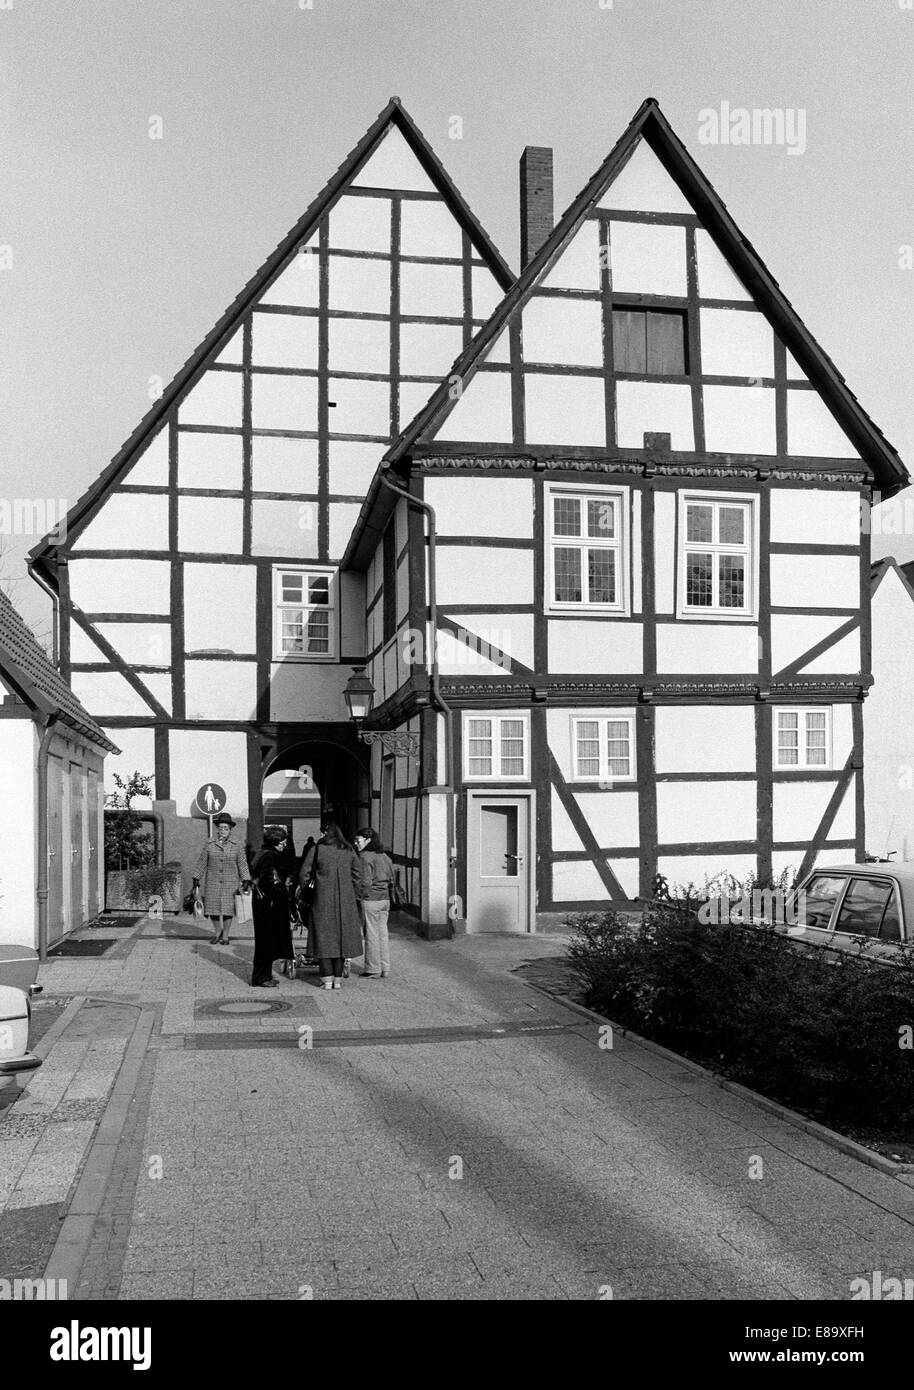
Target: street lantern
column 358, row 694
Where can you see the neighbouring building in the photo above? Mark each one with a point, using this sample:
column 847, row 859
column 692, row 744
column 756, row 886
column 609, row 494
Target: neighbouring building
column 51, row 795
column 650, row 588
column 888, row 731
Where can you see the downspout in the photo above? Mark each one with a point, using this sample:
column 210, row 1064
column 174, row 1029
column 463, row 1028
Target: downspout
column 42, row 583
column 437, row 698
column 158, row 833
column 42, row 889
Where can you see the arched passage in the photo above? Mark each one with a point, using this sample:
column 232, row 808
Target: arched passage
column 315, row 777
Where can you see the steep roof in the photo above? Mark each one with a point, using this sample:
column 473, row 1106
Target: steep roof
column 651, row 125
column 393, row 115
column 37, row 681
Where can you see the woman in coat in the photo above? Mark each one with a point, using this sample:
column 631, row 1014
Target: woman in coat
column 222, row 870
column 377, row 877
column 334, row 922
column 272, row 936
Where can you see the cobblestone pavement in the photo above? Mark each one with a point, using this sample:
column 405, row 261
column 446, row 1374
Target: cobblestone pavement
column 447, row 1133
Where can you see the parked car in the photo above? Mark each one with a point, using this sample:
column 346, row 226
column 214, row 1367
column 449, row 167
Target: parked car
column 18, row 971
column 845, row 903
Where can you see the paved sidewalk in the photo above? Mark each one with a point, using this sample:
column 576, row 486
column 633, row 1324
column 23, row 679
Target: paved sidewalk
column 449, row 1133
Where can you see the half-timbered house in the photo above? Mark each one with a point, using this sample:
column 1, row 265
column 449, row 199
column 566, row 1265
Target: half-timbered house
column 651, row 580
column 594, row 535
column 202, row 612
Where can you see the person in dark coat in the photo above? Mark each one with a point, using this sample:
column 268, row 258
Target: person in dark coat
column 272, row 932
column 335, row 923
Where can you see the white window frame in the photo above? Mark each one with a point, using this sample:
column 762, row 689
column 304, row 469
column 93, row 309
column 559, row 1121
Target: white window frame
column 496, row 717
column 714, row 613
column 621, row 545
column 604, row 776
column 279, row 606
column 803, row 764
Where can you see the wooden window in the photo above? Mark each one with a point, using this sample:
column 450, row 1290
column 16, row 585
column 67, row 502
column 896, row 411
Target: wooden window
column 304, row 614
column 496, row 747
column 803, row 738
column 651, row 342
column 587, row 548
column 603, row 749
column 717, row 556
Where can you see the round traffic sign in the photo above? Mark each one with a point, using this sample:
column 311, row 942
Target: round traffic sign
column 211, row 798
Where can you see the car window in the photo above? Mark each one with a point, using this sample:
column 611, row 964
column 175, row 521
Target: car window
column 869, row 910
column 816, row 903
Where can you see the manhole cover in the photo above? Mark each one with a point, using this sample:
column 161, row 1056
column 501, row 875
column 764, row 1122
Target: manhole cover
column 243, row 1006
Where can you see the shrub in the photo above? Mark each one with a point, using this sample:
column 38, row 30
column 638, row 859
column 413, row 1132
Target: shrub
column 127, row 842
column 809, row 1026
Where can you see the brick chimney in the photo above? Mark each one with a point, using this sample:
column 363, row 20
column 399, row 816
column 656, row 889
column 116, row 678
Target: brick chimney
column 536, row 207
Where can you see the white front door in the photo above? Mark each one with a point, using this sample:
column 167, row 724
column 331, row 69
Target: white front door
column 499, row 861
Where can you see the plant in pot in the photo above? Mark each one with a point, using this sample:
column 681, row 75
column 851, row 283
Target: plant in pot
column 134, row 882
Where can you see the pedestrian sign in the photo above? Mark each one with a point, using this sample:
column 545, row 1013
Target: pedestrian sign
column 211, row 799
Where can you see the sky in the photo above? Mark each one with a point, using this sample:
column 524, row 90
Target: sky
column 118, row 252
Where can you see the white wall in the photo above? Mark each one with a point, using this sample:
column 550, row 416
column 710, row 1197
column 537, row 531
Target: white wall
column 888, row 729
column 18, row 832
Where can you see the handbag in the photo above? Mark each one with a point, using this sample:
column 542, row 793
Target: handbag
column 395, row 892
column 199, row 909
column 307, row 890
column 243, row 908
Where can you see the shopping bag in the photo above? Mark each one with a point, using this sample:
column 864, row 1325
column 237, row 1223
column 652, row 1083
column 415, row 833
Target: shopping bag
column 243, row 909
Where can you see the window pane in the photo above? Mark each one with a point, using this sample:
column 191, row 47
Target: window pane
column 601, row 518
column 566, row 514
column 666, row 344
column 891, row 922
column 629, row 341
column 618, row 747
column 601, row 576
column 512, row 747
column 700, row 524
column 319, row 588
column 567, row 565
column 292, row 588
column 862, row 909
column 479, row 747
column 732, row 521
column 698, row 581
column 319, row 632
column 587, row 744
column 732, row 573
column 820, row 897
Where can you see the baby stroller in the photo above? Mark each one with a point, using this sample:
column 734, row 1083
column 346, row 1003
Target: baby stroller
column 303, row 960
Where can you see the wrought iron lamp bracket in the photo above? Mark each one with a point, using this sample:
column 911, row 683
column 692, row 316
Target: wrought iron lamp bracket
column 393, row 741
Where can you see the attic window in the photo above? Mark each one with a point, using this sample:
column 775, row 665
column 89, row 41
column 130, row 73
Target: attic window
column 650, row 342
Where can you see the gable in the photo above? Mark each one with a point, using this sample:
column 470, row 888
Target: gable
column 650, row 222
column 638, row 323
column 299, row 389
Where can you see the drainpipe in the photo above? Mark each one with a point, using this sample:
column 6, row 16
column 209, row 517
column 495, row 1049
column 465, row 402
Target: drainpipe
column 42, row 889
column 55, row 603
column 437, row 698
column 158, row 833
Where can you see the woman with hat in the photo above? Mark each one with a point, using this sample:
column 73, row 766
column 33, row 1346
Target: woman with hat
column 223, row 871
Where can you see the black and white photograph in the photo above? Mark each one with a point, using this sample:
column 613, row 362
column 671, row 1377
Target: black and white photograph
column 456, row 652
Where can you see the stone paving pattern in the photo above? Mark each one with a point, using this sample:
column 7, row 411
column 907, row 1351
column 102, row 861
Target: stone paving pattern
column 518, row 1166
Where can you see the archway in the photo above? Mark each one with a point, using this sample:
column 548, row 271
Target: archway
column 311, row 779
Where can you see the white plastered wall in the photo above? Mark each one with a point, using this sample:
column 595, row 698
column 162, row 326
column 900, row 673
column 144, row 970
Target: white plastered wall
column 888, row 730
column 18, row 832
column 208, row 755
